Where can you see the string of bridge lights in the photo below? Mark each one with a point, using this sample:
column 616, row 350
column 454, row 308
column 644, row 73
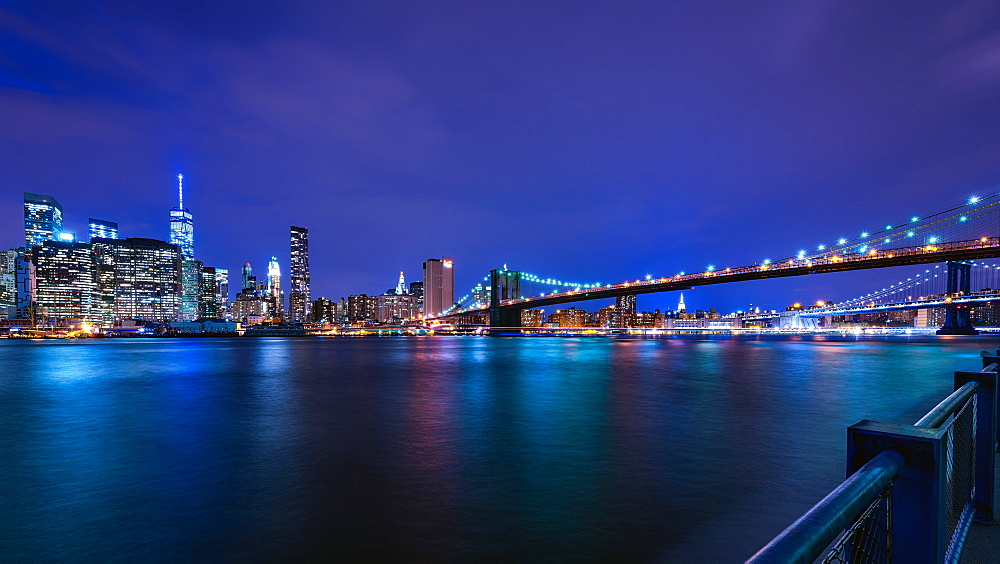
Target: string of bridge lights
column 864, row 244
column 866, row 241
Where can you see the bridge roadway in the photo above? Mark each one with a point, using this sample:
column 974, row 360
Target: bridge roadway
column 986, row 247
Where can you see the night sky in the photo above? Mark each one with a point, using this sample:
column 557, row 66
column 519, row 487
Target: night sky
column 589, row 141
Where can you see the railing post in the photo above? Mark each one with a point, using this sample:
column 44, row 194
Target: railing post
column 986, row 439
column 918, row 495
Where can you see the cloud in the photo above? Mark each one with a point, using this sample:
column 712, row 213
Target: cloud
column 297, row 90
column 972, row 65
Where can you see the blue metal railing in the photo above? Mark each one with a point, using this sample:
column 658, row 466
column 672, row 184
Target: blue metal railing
column 941, row 474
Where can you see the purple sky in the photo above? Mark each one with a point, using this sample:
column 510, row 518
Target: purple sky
column 581, row 140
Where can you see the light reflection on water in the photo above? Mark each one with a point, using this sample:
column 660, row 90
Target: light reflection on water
column 437, row 448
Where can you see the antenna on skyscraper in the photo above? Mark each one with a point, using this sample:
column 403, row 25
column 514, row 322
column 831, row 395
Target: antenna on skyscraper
column 180, row 191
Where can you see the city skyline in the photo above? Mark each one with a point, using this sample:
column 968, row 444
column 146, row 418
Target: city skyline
column 43, row 221
column 441, row 127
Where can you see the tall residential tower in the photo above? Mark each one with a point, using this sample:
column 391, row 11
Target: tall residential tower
column 275, row 297
column 298, row 299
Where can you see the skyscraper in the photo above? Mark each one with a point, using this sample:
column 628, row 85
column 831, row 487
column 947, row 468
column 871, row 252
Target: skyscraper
column 298, row 299
column 249, row 280
column 101, row 229
column 191, row 289
column 43, row 219
column 208, row 298
column 222, row 291
column 439, row 285
column 147, row 278
column 624, row 312
column 8, row 282
column 275, row 297
column 65, row 281
column 182, row 223
column 401, row 285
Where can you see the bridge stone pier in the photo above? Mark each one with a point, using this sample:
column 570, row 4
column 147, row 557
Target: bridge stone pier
column 957, row 320
column 504, row 285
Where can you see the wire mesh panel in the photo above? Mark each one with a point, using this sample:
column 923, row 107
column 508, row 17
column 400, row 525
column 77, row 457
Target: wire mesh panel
column 869, row 539
column 961, row 469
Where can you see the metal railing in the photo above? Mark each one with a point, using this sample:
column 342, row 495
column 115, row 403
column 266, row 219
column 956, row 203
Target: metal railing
column 912, row 491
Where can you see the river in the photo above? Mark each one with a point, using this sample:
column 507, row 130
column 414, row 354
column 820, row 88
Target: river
column 438, row 448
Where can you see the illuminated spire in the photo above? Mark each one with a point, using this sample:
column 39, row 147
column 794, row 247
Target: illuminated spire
column 400, row 288
column 180, row 191
column 680, row 305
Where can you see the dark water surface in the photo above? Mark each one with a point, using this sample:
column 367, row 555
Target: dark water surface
column 451, row 449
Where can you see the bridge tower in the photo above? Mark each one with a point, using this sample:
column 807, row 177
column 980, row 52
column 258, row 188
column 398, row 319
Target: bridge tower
column 504, row 285
column 957, row 320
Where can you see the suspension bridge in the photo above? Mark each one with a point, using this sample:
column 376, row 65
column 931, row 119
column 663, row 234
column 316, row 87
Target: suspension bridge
column 957, row 236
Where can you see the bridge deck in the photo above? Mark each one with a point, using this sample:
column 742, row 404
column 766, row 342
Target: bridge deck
column 986, row 247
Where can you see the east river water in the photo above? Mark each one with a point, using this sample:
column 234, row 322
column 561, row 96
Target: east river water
column 437, row 448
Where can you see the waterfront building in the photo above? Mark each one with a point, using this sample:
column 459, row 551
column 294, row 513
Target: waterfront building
column 65, row 287
column 298, row 299
column 43, row 219
column 362, row 307
column 191, row 291
column 275, row 297
column 26, row 295
column 439, row 285
column 104, row 301
column 481, row 296
column 208, row 296
column 417, row 290
column 624, row 313
column 146, row 278
column 222, row 291
column 397, row 305
column 249, row 308
column 532, row 317
column 572, row 317
column 8, row 282
column 342, row 311
column 102, row 229
column 323, row 311
column 654, row 320
column 182, row 224
column 395, row 308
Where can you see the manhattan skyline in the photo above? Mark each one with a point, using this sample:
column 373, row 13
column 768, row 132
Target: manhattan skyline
column 568, row 140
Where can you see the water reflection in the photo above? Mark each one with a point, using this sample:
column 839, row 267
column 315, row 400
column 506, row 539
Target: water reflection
column 465, row 448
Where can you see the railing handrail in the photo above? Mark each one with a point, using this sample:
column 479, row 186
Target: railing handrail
column 948, row 407
column 806, row 538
